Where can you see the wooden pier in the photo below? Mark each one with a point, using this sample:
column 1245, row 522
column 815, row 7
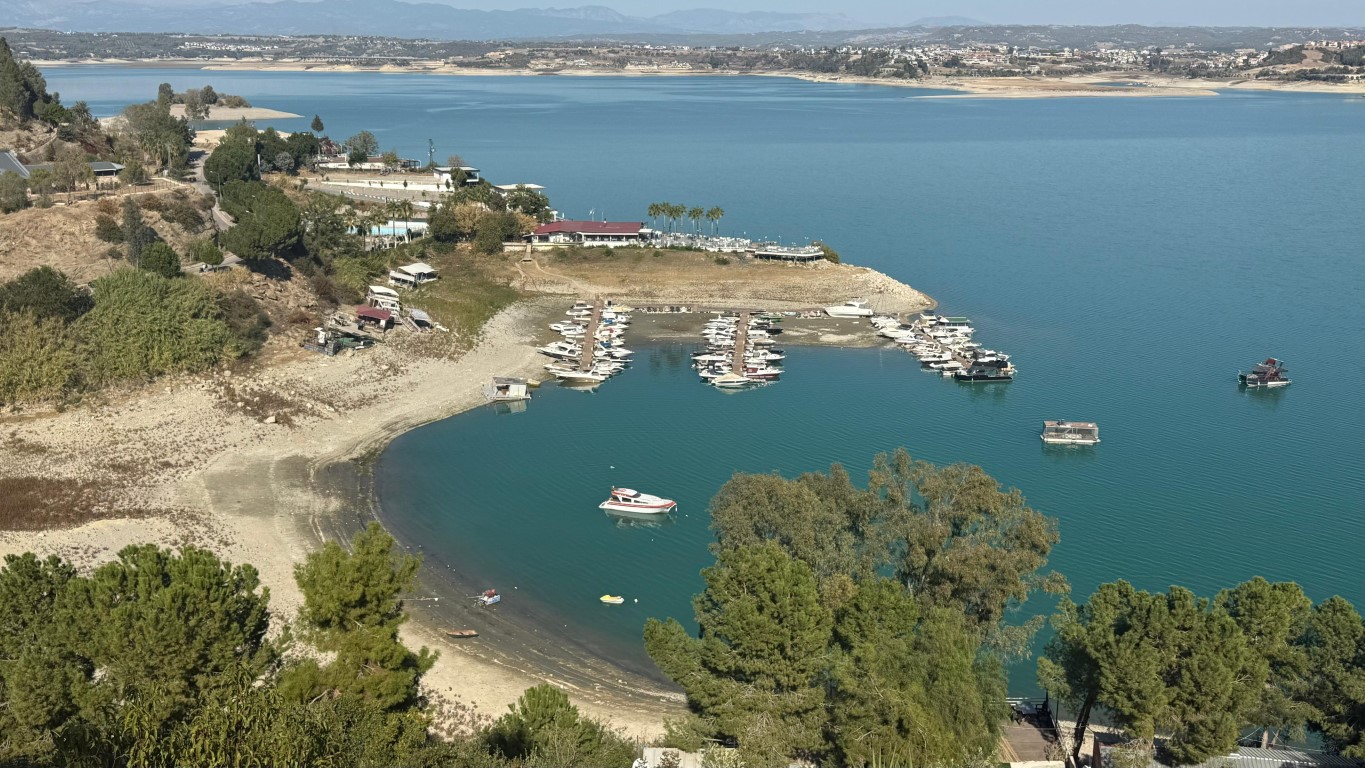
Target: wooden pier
column 590, row 337
column 741, row 343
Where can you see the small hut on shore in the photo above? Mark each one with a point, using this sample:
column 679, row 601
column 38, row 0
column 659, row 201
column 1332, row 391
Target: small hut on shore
column 504, row 389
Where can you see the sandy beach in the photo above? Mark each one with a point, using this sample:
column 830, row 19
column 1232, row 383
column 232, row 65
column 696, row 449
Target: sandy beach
column 261, row 465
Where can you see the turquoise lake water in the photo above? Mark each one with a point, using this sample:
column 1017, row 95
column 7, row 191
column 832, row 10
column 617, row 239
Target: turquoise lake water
column 1131, row 254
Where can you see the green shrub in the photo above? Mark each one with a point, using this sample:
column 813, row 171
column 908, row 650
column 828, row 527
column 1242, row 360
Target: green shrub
column 205, row 251
column 39, row 359
column 159, row 258
column 13, row 192
column 185, row 214
column 107, row 229
column 46, row 293
column 145, row 325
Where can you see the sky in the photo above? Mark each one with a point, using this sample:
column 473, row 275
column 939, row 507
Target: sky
column 1305, row 13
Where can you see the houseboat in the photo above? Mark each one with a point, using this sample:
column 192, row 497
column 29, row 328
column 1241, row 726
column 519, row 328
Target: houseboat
column 627, row 500
column 1071, row 433
column 507, row 389
column 1271, row 373
column 985, row 373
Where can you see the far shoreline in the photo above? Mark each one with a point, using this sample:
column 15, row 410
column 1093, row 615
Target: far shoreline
column 1145, row 84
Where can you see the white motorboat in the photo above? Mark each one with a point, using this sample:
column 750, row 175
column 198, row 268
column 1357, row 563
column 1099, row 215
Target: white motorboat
column 566, row 327
column 561, row 349
column 765, row 356
column 628, row 500
column 570, row 374
column 732, row 381
column 850, row 308
column 761, row 371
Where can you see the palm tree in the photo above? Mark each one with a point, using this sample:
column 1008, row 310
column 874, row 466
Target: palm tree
column 405, row 209
column 654, row 210
column 714, row 215
column 696, row 214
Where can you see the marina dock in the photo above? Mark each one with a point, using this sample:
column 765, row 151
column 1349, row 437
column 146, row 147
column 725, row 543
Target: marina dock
column 741, row 341
column 590, row 336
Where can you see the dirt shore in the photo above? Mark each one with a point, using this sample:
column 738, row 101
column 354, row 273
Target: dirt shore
column 1095, row 84
column 263, row 465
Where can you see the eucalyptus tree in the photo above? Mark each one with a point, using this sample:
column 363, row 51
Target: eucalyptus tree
column 949, row 535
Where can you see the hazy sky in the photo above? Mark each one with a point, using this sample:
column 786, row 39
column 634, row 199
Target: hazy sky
column 1299, row 13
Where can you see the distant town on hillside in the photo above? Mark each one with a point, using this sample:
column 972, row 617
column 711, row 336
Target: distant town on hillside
column 1278, row 54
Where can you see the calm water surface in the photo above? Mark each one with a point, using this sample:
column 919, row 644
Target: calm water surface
column 1131, row 254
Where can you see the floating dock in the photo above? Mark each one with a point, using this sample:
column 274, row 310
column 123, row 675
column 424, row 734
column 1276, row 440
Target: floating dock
column 741, row 342
column 590, row 336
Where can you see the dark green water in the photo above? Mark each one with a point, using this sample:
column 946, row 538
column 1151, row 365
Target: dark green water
column 1131, row 254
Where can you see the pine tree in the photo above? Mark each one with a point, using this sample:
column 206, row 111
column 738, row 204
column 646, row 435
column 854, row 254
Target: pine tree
column 756, row 667
column 136, row 234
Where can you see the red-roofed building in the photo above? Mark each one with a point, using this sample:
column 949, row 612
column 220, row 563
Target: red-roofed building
column 380, row 318
column 590, row 233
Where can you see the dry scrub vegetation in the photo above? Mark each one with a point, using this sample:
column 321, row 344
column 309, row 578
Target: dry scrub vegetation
column 63, row 237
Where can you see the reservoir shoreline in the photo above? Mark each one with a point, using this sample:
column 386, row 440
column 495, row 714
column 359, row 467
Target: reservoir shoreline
column 264, row 493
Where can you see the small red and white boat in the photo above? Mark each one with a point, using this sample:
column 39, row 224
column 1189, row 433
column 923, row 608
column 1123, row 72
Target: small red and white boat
column 627, row 500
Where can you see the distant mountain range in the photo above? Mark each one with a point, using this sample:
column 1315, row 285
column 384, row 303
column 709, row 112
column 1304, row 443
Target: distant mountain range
column 391, row 18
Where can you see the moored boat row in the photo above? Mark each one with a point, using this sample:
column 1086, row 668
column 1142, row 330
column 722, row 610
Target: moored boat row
column 739, row 351
column 591, row 350
column 944, row 344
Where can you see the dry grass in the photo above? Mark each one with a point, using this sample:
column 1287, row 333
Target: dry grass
column 260, row 403
column 29, row 503
column 63, row 237
column 472, row 289
column 646, row 275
